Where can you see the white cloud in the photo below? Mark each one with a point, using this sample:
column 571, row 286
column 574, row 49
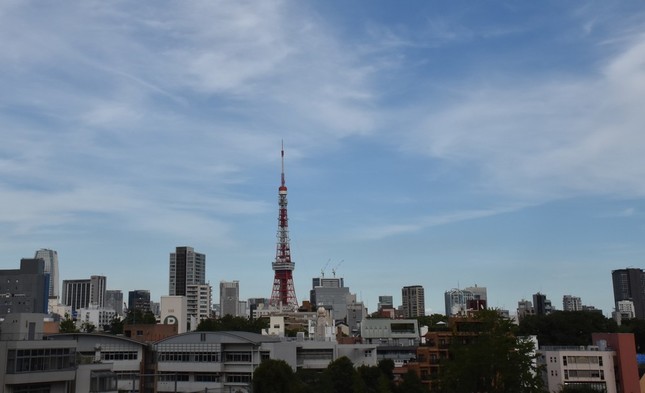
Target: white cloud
column 542, row 140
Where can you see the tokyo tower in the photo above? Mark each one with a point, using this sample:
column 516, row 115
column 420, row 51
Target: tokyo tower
column 284, row 293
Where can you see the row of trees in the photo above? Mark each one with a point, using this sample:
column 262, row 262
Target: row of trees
column 276, row 376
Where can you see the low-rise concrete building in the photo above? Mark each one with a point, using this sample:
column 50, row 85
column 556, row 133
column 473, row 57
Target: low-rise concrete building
column 395, row 339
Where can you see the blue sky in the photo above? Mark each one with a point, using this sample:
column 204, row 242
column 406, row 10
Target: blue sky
column 492, row 143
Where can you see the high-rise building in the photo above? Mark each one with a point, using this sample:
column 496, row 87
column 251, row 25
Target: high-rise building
column 629, row 284
column 456, row 301
column 229, row 297
column 541, row 304
column 199, row 298
column 139, row 299
column 284, row 292
column 24, row 290
column 187, row 267
column 84, row 292
column 413, row 301
column 524, row 308
column 114, row 300
column 571, row 303
column 332, row 294
column 51, row 267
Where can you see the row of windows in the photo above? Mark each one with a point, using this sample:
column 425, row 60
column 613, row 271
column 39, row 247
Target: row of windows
column 188, row 357
column 582, row 360
column 123, row 355
column 584, row 374
column 32, row 360
column 237, row 357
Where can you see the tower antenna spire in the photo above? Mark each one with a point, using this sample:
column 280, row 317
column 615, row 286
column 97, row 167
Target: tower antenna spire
column 284, row 293
column 282, row 153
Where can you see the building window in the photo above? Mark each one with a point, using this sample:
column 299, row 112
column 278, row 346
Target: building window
column 43, row 359
column 238, row 377
column 239, row 357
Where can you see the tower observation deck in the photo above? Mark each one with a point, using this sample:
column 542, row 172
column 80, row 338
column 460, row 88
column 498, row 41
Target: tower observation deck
column 284, row 293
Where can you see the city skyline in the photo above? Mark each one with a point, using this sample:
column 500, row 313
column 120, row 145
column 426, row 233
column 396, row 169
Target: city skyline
column 441, row 145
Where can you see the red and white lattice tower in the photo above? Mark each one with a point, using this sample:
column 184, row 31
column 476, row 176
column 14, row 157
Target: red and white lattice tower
column 284, row 293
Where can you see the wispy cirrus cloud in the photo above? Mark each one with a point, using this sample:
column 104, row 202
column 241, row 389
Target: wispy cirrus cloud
column 549, row 139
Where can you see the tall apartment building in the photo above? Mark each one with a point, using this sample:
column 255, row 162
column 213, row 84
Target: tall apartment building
column 84, row 292
column 413, row 301
column 51, row 267
column 524, row 308
column 24, row 290
column 541, row 304
column 629, row 284
column 571, row 303
column 187, row 267
column 199, row 298
column 229, row 297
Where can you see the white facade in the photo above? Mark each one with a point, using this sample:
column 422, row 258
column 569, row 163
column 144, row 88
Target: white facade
column 571, row 303
column 174, row 310
column 199, row 298
column 97, row 316
column 626, row 309
column 577, row 366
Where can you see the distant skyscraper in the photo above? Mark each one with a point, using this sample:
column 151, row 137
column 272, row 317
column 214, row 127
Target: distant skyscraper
column 457, row 301
column 541, row 304
column 24, row 290
column 385, row 301
column 571, row 303
column 629, row 284
column 524, row 308
column 114, row 300
column 85, row 292
column 187, row 267
column 139, row 299
column 51, row 267
column 229, row 297
column 413, row 301
column 332, row 294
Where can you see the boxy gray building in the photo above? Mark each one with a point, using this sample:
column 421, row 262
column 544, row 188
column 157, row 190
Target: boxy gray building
column 24, row 290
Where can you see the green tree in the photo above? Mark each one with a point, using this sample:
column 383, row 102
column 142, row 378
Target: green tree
column 341, row 375
column 274, row 376
column 566, row 327
column 491, row 359
column 411, row 383
column 231, row 323
column 433, row 321
column 137, row 317
column 115, row 326
column 67, row 325
column 88, row 327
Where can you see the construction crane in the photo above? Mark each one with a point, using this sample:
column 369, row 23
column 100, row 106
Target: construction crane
column 322, row 271
column 333, row 270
